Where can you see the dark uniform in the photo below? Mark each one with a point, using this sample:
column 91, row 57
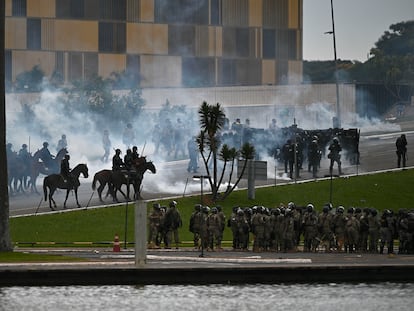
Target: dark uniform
column 117, row 163
column 45, row 155
column 334, row 155
column 65, row 170
column 401, row 145
column 128, row 159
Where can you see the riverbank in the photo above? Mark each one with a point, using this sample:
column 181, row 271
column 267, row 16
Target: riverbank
column 188, row 266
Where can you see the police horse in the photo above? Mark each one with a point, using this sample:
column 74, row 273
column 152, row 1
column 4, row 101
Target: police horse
column 38, row 167
column 115, row 179
column 55, row 181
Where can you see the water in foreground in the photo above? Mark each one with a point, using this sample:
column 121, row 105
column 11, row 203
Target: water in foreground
column 377, row 296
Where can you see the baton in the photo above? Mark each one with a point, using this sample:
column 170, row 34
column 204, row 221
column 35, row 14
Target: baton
column 143, row 148
column 90, row 199
column 39, row 206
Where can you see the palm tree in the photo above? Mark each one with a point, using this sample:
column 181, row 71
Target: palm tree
column 212, row 118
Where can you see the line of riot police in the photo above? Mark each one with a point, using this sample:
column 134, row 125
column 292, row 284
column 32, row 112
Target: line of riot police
column 293, row 145
column 282, row 229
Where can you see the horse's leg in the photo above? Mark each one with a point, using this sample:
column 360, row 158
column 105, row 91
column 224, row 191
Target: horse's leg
column 76, row 196
column 51, row 191
column 33, row 180
column 66, row 198
column 125, row 196
column 100, row 189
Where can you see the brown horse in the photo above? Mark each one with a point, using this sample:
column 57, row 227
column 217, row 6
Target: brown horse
column 55, row 181
column 38, row 167
column 115, row 179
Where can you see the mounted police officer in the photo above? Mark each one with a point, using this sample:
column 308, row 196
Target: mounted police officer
column 128, row 159
column 45, row 155
column 65, row 170
column 117, row 163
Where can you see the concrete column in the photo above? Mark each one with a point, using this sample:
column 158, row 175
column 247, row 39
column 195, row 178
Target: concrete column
column 140, row 233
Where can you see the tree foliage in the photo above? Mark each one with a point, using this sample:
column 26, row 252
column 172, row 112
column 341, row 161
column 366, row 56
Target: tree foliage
column 391, row 63
column 212, row 119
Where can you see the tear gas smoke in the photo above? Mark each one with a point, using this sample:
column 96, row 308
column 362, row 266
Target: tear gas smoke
column 49, row 122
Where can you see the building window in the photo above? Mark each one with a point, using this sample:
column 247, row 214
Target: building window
column 275, row 13
column 75, row 67
column 77, row 9
column 236, row 42
column 112, row 10
column 112, row 37
column 242, row 42
column 8, row 60
column 269, row 43
column 198, row 72
column 34, row 34
column 215, row 15
column 90, row 65
column 292, row 44
column 181, row 40
column 19, row 8
column 133, row 70
column 227, row 72
column 181, row 12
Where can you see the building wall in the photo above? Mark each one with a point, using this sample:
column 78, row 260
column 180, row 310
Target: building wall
column 190, row 43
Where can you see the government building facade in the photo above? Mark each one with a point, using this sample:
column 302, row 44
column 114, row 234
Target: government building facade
column 160, row 43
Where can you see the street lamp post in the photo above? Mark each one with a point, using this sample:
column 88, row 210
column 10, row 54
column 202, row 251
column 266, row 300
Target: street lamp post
column 201, row 178
column 337, row 122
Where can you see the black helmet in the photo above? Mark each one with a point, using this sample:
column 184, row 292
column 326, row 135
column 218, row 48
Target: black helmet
column 156, row 205
column 24, row 146
column 117, row 151
column 197, row 207
column 45, row 144
column 351, row 210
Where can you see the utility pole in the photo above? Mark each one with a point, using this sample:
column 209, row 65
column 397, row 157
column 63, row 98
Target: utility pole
column 5, row 241
column 338, row 110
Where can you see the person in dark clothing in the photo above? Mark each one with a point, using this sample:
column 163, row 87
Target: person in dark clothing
column 65, row 170
column 45, row 155
column 117, row 163
column 401, row 144
column 334, row 155
column 286, row 153
column 193, row 153
column 128, row 159
column 313, row 157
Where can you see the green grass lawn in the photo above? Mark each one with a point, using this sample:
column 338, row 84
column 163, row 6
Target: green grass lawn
column 392, row 190
column 10, row 257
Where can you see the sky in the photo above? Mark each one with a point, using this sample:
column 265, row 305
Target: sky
column 358, row 26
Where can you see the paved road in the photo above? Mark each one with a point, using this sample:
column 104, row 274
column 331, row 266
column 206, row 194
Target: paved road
column 377, row 152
